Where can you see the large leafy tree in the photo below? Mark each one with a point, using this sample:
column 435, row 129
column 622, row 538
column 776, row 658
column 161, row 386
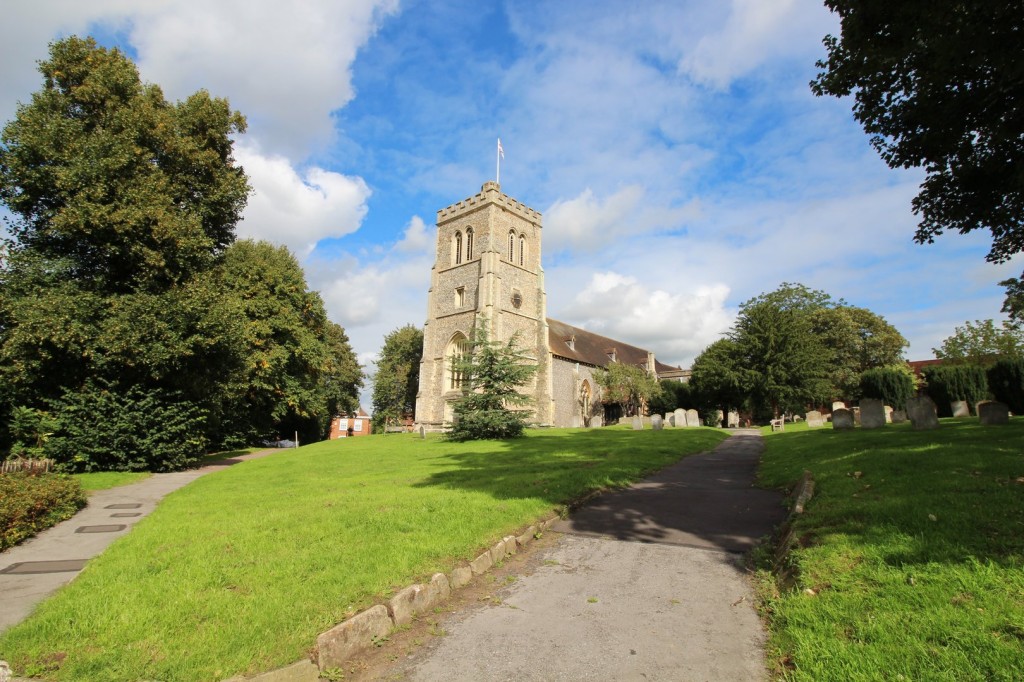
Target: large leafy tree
column 297, row 363
column 982, row 343
column 397, row 380
column 128, row 190
column 939, row 84
column 717, row 380
column 492, row 375
column 781, row 359
column 850, row 340
column 630, row 386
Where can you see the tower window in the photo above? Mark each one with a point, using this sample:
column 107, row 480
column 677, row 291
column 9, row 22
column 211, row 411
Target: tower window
column 469, row 244
column 458, row 348
column 458, row 248
column 511, row 246
column 522, row 250
column 460, row 297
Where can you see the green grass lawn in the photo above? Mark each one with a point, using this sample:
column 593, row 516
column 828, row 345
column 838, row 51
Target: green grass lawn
column 911, row 558
column 104, row 480
column 239, row 571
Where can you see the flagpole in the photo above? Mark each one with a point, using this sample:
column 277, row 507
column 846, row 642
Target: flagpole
column 497, row 163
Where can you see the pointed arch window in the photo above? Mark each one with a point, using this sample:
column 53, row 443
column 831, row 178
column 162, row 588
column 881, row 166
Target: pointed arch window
column 511, row 246
column 457, row 349
column 458, row 247
column 469, row 244
column 522, row 250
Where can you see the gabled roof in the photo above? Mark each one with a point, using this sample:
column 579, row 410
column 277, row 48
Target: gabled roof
column 594, row 349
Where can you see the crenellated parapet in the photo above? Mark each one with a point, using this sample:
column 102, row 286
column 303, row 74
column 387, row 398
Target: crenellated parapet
column 490, row 193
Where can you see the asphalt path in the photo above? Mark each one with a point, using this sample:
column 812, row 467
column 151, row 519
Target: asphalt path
column 645, row 583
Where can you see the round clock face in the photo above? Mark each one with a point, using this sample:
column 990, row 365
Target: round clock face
column 517, row 300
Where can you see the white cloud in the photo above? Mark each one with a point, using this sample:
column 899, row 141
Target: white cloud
column 676, row 325
column 587, row 222
column 286, row 65
column 298, row 210
column 756, row 32
column 417, row 238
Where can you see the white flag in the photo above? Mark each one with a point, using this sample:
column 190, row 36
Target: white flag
column 501, row 152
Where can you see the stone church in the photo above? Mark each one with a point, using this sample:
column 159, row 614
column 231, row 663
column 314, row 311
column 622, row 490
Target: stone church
column 488, row 267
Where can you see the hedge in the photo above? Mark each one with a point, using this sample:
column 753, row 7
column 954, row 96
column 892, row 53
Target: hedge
column 30, row 503
column 947, row 383
column 1006, row 381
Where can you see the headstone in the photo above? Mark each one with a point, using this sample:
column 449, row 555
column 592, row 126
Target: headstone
column 960, row 408
column 856, row 415
column 638, row 424
column 814, row 420
column 576, row 421
column 734, row 420
column 838, row 405
column 991, row 412
column 899, row 416
column 423, row 431
column 888, row 414
column 922, row 413
column 719, row 416
column 657, row 423
column 842, row 419
column 671, row 418
column 680, row 415
column 872, row 413
column 692, row 418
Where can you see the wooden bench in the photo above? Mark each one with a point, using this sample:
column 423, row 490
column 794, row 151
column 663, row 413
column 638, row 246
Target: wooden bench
column 778, row 424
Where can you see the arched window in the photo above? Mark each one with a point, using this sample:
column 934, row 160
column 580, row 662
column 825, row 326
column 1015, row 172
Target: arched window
column 458, row 247
column 511, row 246
column 469, row 244
column 522, row 250
column 457, row 349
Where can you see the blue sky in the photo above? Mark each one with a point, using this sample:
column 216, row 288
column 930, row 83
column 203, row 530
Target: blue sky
column 678, row 156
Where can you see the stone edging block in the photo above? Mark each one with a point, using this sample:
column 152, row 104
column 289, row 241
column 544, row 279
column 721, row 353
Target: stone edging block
column 364, row 629
column 352, row 636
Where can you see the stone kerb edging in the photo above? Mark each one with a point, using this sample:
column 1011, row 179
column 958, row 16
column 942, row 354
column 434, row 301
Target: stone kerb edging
column 368, row 627
column 785, row 573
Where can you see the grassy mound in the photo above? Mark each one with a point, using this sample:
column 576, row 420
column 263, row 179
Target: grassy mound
column 911, row 558
column 239, row 571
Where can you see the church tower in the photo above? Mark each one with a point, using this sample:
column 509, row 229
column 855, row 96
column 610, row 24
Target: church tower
column 487, row 267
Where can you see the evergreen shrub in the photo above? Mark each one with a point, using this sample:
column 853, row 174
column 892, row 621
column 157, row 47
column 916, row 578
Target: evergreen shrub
column 894, row 385
column 948, row 383
column 137, row 429
column 1006, row 381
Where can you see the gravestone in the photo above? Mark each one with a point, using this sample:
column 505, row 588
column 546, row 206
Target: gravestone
column 842, row 419
column 657, row 423
column 734, row 419
column 856, row 415
column 680, row 415
column 872, row 413
column 991, row 412
column 638, row 424
column 838, row 405
column 814, row 419
column 960, row 408
column 692, row 418
column 719, row 416
column 899, row 416
column 577, row 421
column 888, row 414
column 423, row 432
column 670, row 417
column 922, row 413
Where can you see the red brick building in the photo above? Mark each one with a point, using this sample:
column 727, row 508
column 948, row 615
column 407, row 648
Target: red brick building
column 357, row 424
